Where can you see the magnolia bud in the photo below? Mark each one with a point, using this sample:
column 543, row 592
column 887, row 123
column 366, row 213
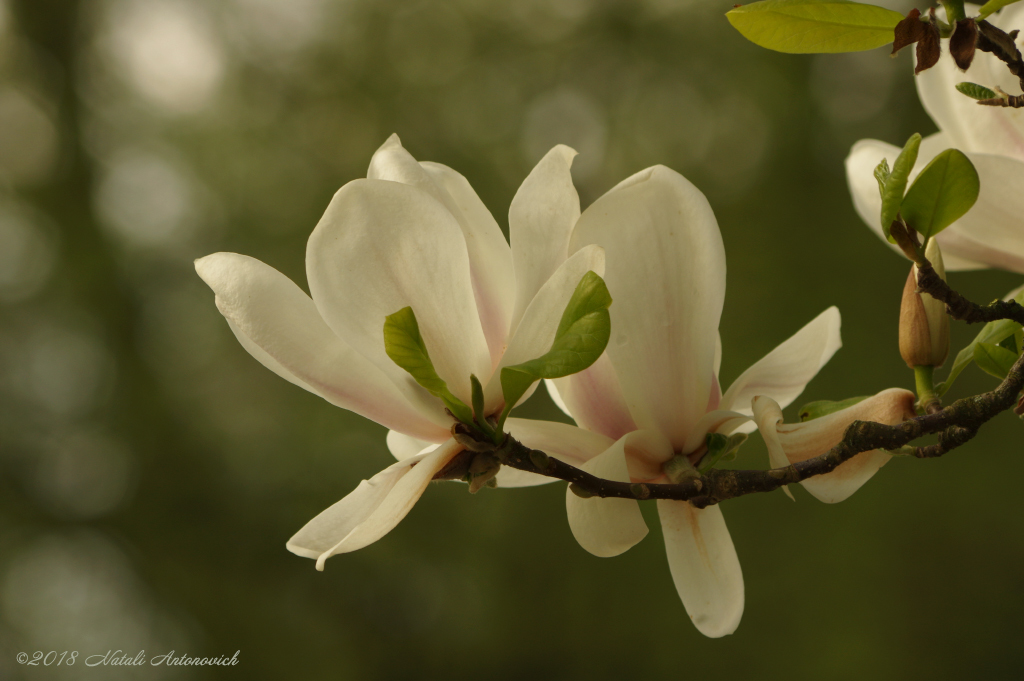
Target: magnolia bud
column 924, row 324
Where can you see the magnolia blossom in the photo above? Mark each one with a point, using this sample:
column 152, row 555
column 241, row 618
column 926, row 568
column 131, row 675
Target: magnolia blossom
column 413, row 234
column 989, row 235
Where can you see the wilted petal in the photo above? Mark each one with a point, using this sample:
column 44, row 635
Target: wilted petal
column 593, row 398
column 404, row 447
column 606, row 527
column 382, row 246
column 704, row 566
column 540, row 220
column 373, row 509
column 536, row 332
column 783, row 373
column 792, row 443
column 666, row 273
column 280, row 326
column 566, row 443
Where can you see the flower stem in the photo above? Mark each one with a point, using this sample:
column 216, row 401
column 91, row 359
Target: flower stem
column 926, row 395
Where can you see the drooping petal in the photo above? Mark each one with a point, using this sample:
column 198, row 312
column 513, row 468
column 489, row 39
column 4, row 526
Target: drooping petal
column 704, row 566
column 566, row 443
column 665, row 271
column 791, row 443
column 373, row 509
column 490, row 258
column 594, row 399
column 987, row 236
column 606, row 526
column 540, row 220
column 382, row 246
column 973, row 128
column 783, row 373
column 536, row 332
column 404, row 447
column 280, row 326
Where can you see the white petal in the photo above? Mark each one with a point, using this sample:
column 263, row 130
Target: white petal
column 783, row 373
column 606, row 527
column 666, row 273
column 280, row 326
column 382, row 246
column 490, row 257
column 594, row 399
column 566, row 443
column 704, row 566
column 404, row 447
column 373, row 509
column 540, row 220
column 556, row 397
column 536, row 332
column 802, row 441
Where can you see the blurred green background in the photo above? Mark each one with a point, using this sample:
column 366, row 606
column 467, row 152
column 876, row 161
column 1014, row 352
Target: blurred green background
column 151, row 471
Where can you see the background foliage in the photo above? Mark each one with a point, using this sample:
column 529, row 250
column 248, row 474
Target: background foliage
column 151, row 471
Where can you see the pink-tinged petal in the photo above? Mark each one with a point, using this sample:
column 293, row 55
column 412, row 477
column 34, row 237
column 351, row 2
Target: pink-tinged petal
column 373, row 509
column 666, row 273
column 962, row 248
column 490, row 257
column 404, row 447
column 973, row 128
column 792, row 443
column 704, row 566
column 561, row 441
column 594, row 399
column 540, row 220
column 280, row 326
column 784, row 372
column 382, row 246
column 536, row 331
column 606, row 527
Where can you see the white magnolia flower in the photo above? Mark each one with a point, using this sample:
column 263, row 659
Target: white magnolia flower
column 655, row 391
column 413, row 234
column 990, row 234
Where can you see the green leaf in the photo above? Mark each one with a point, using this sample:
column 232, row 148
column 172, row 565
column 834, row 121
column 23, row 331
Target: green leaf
column 405, row 347
column 993, row 332
column 993, row 6
column 896, row 183
column 815, row 410
column 581, row 337
column 941, row 194
column 882, row 175
column 720, row 448
column 814, row 26
column 975, row 91
column 994, row 359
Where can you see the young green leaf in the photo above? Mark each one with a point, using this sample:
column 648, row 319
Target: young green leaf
column 720, row 448
column 941, row 194
column 815, row 410
column 896, row 183
column 993, row 6
column 975, row 91
column 405, row 347
column 994, row 359
column 581, row 337
column 994, row 333
column 882, row 175
column 814, row 26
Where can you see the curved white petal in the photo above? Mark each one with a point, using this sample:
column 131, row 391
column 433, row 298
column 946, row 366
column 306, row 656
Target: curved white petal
column 666, row 273
column 280, row 326
column 490, row 258
column 382, row 246
column 536, row 332
column 801, row 441
column 704, row 566
column 373, row 509
column 606, row 527
column 404, row 447
column 784, row 372
column 540, row 220
column 961, row 248
column 566, row 443
column 594, row 399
